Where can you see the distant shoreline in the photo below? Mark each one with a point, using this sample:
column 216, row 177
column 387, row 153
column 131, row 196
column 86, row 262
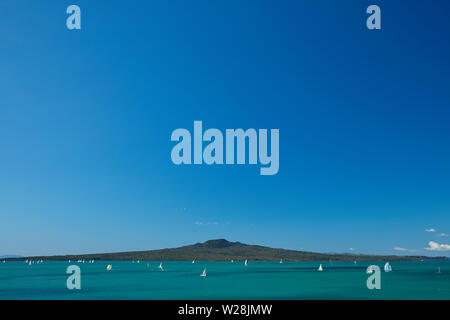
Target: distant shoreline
column 223, row 250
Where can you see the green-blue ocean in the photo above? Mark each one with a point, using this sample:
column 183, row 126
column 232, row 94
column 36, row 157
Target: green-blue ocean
column 224, row 280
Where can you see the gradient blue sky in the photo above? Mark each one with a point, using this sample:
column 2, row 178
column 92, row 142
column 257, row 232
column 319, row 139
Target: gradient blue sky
column 86, row 118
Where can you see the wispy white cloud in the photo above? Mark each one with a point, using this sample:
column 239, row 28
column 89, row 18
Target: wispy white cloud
column 443, row 235
column 351, row 249
column 403, row 249
column 430, row 230
column 200, row 223
column 434, row 246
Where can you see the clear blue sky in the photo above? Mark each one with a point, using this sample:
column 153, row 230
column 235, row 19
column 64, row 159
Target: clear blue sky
column 86, row 118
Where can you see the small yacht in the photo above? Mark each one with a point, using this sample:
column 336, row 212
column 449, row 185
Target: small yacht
column 387, row 267
column 203, row 273
column 281, row 261
column 320, row 268
column 439, row 271
column 161, row 266
column 246, row 262
column 108, row 267
column 193, row 261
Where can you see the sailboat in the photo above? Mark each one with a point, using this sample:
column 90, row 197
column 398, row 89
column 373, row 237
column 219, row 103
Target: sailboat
column 232, row 260
column 193, row 261
column 246, row 263
column 108, row 267
column 161, row 266
column 439, row 270
column 320, row 268
column 281, row 261
column 29, row 263
column 203, row 273
column 387, row 267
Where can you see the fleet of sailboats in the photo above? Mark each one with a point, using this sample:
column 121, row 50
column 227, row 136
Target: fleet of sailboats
column 387, row 265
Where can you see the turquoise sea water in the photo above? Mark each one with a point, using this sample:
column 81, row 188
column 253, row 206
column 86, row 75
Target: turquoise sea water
column 225, row 280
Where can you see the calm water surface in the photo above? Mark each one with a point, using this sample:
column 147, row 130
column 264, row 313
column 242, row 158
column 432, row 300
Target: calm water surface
column 224, row 280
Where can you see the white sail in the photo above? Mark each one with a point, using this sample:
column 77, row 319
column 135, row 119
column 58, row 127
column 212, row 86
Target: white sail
column 203, row 273
column 281, row 261
column 320, row 268
column 246, row 263
column 193, row 261
column 161, row 266
column 387, row 267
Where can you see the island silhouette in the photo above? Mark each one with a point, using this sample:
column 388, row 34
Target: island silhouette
column 224, row 250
